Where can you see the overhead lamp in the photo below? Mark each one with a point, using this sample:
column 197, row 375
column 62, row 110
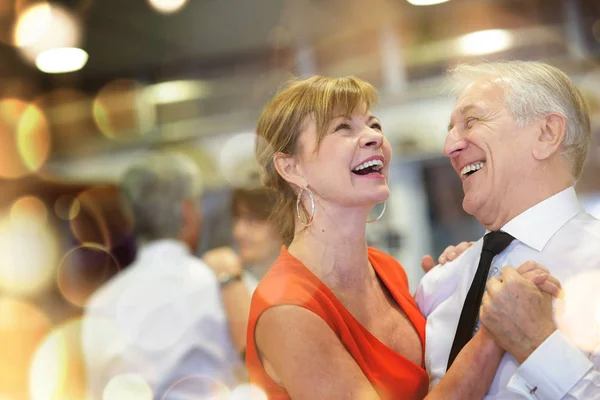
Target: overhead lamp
column 61, row 60
column 485, row 42
column 167, row 6
column 45, row 26
column 426, row 2
column 177, row 91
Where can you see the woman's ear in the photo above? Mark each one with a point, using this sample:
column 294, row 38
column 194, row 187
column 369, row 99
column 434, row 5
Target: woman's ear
column 550, row 137
column 289, row 169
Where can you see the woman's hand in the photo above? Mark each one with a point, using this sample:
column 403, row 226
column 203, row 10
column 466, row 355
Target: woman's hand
column 540, row 276
column 450, row 254
column 223, row 261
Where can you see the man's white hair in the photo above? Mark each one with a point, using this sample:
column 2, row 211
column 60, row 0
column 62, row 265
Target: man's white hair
column 533, row 90
column 157, row 188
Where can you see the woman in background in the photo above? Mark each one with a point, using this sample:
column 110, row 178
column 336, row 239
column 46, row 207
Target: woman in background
column 258, row 242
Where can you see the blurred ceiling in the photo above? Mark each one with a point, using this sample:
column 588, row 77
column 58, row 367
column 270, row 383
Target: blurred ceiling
column 240, row 51
column 130, row 39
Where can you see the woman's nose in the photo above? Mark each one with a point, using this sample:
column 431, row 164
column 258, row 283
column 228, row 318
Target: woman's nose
column 371, row 138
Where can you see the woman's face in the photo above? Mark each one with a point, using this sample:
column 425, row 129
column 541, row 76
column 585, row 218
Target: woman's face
column 351, row 167
column 258, row 240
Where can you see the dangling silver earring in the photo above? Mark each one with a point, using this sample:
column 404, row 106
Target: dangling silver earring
column 312, row 204
column 380, row 214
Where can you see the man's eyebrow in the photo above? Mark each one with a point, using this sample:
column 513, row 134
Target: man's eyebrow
column 468, row 108
column 463, row 111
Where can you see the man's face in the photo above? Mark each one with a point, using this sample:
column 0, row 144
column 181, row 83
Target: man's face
column 488, row 150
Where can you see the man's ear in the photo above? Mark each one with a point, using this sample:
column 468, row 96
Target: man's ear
column 289, row 169
column 553, row 129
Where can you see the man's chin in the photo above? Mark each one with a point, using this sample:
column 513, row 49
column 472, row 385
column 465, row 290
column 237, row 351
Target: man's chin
column 470, row 206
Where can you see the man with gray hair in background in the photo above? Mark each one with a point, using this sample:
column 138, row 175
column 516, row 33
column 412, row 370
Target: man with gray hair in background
column 160, row 324
column 518, row 138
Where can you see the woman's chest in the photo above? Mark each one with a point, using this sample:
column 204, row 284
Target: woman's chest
column 385, row 320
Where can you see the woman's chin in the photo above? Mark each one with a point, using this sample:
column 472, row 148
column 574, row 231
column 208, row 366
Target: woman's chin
column 381, row 195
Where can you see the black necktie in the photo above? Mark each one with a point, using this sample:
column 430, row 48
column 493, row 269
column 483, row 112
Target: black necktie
column 493, row 244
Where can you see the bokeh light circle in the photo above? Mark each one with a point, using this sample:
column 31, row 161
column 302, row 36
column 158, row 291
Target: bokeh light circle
column 89, row 224
column 69, row 113
column 22, row 328
column 57, row 370
column 127, row 387
column 101, row 342
column 22, row 6
column 104, row 217
column 236, row 160
column 122, row 110
column 45, row 26
column 28, row 253
column 248, row 392
column 67, row 207
column 576, row 312
column 32, row 24
column 29, row 206
column 197, row 387
column 83, row 270
column 24, row 138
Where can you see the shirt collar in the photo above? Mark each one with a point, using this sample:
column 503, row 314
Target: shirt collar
column 536, row 226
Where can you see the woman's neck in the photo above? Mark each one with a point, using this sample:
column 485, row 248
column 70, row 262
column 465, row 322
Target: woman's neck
column 335, row 249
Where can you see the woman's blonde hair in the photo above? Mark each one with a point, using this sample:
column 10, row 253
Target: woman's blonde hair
column 284, row 118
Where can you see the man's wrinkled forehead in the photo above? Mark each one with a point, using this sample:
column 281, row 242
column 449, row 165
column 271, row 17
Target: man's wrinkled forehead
column 482, row 93
column 488, row 86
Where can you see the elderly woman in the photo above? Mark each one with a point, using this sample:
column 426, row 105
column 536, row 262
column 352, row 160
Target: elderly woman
column 334, row 318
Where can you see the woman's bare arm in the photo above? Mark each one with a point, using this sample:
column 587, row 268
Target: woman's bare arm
column 301, row 353
column 473, row 370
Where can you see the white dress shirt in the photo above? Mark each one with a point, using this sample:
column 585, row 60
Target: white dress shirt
column 560, row 235
column 163, row 313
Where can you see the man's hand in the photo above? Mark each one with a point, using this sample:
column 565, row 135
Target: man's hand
column 540, row 276
column 516, row 312
column 450, row 254
column 223, row 260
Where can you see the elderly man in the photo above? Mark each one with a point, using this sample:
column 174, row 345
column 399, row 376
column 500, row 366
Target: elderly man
column 162, row 322
column 518, row 138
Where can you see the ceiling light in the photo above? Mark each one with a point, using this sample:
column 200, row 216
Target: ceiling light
column 32, row 24
column 43, row 27
column 61, row 60
column 177, row 91
column 485, row 42
column 426, row 2
column 167, row 6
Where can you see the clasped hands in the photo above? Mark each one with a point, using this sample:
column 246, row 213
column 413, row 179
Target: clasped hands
column 516, row 308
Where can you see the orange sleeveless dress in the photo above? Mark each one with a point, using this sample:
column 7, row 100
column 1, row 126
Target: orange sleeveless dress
column 289, row 282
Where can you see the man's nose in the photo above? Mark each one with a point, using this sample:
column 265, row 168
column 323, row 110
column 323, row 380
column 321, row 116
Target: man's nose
column 454, row 144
